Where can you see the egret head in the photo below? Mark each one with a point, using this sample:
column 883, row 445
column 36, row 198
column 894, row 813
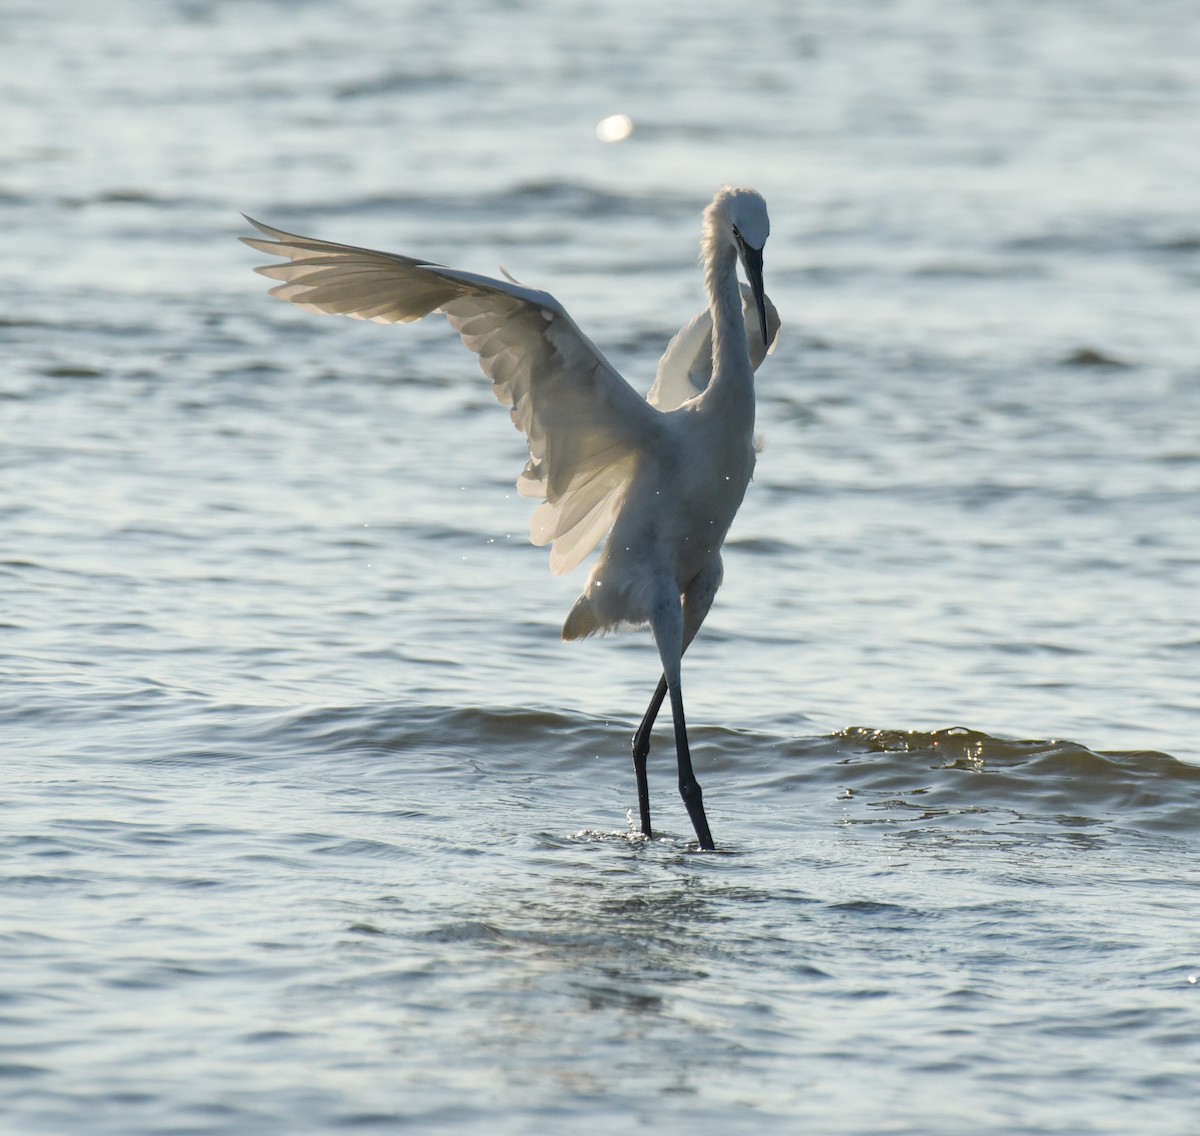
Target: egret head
column 740, row 216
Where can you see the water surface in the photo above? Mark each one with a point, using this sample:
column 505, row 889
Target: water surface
column 312, row 824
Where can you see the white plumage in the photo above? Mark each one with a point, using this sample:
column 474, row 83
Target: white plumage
column 662, row 476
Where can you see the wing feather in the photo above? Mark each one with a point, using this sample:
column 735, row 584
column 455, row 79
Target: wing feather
column 586, row 426
column 686, row 366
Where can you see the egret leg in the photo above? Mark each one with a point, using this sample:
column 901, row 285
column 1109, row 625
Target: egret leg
column 696, row 601
column 641, row 749
column 667, row 623
column 689, row 787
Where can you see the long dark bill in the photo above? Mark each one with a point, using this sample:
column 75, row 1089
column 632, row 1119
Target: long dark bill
column 752, row 258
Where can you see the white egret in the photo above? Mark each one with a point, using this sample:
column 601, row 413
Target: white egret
column 663, row 478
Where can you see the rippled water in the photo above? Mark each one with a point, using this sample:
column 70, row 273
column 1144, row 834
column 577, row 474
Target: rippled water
column 311, row 823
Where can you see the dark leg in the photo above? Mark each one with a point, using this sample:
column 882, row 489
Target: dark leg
column 689, row 787
column 641, row 748
column 675, row 621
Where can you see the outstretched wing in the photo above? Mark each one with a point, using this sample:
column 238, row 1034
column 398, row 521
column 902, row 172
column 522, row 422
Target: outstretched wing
column 686, row 366
column 585, row 424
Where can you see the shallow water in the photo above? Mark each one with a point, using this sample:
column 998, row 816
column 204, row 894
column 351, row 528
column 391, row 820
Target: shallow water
column 311, row 823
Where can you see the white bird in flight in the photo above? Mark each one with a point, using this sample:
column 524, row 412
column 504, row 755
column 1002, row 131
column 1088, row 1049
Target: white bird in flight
column 663, row 476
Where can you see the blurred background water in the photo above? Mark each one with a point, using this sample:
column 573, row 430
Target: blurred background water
column 310, row 823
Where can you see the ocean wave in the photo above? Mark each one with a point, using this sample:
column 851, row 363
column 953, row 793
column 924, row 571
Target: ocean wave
column 857, row 775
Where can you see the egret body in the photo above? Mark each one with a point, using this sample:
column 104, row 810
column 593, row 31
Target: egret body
column 662, row 477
